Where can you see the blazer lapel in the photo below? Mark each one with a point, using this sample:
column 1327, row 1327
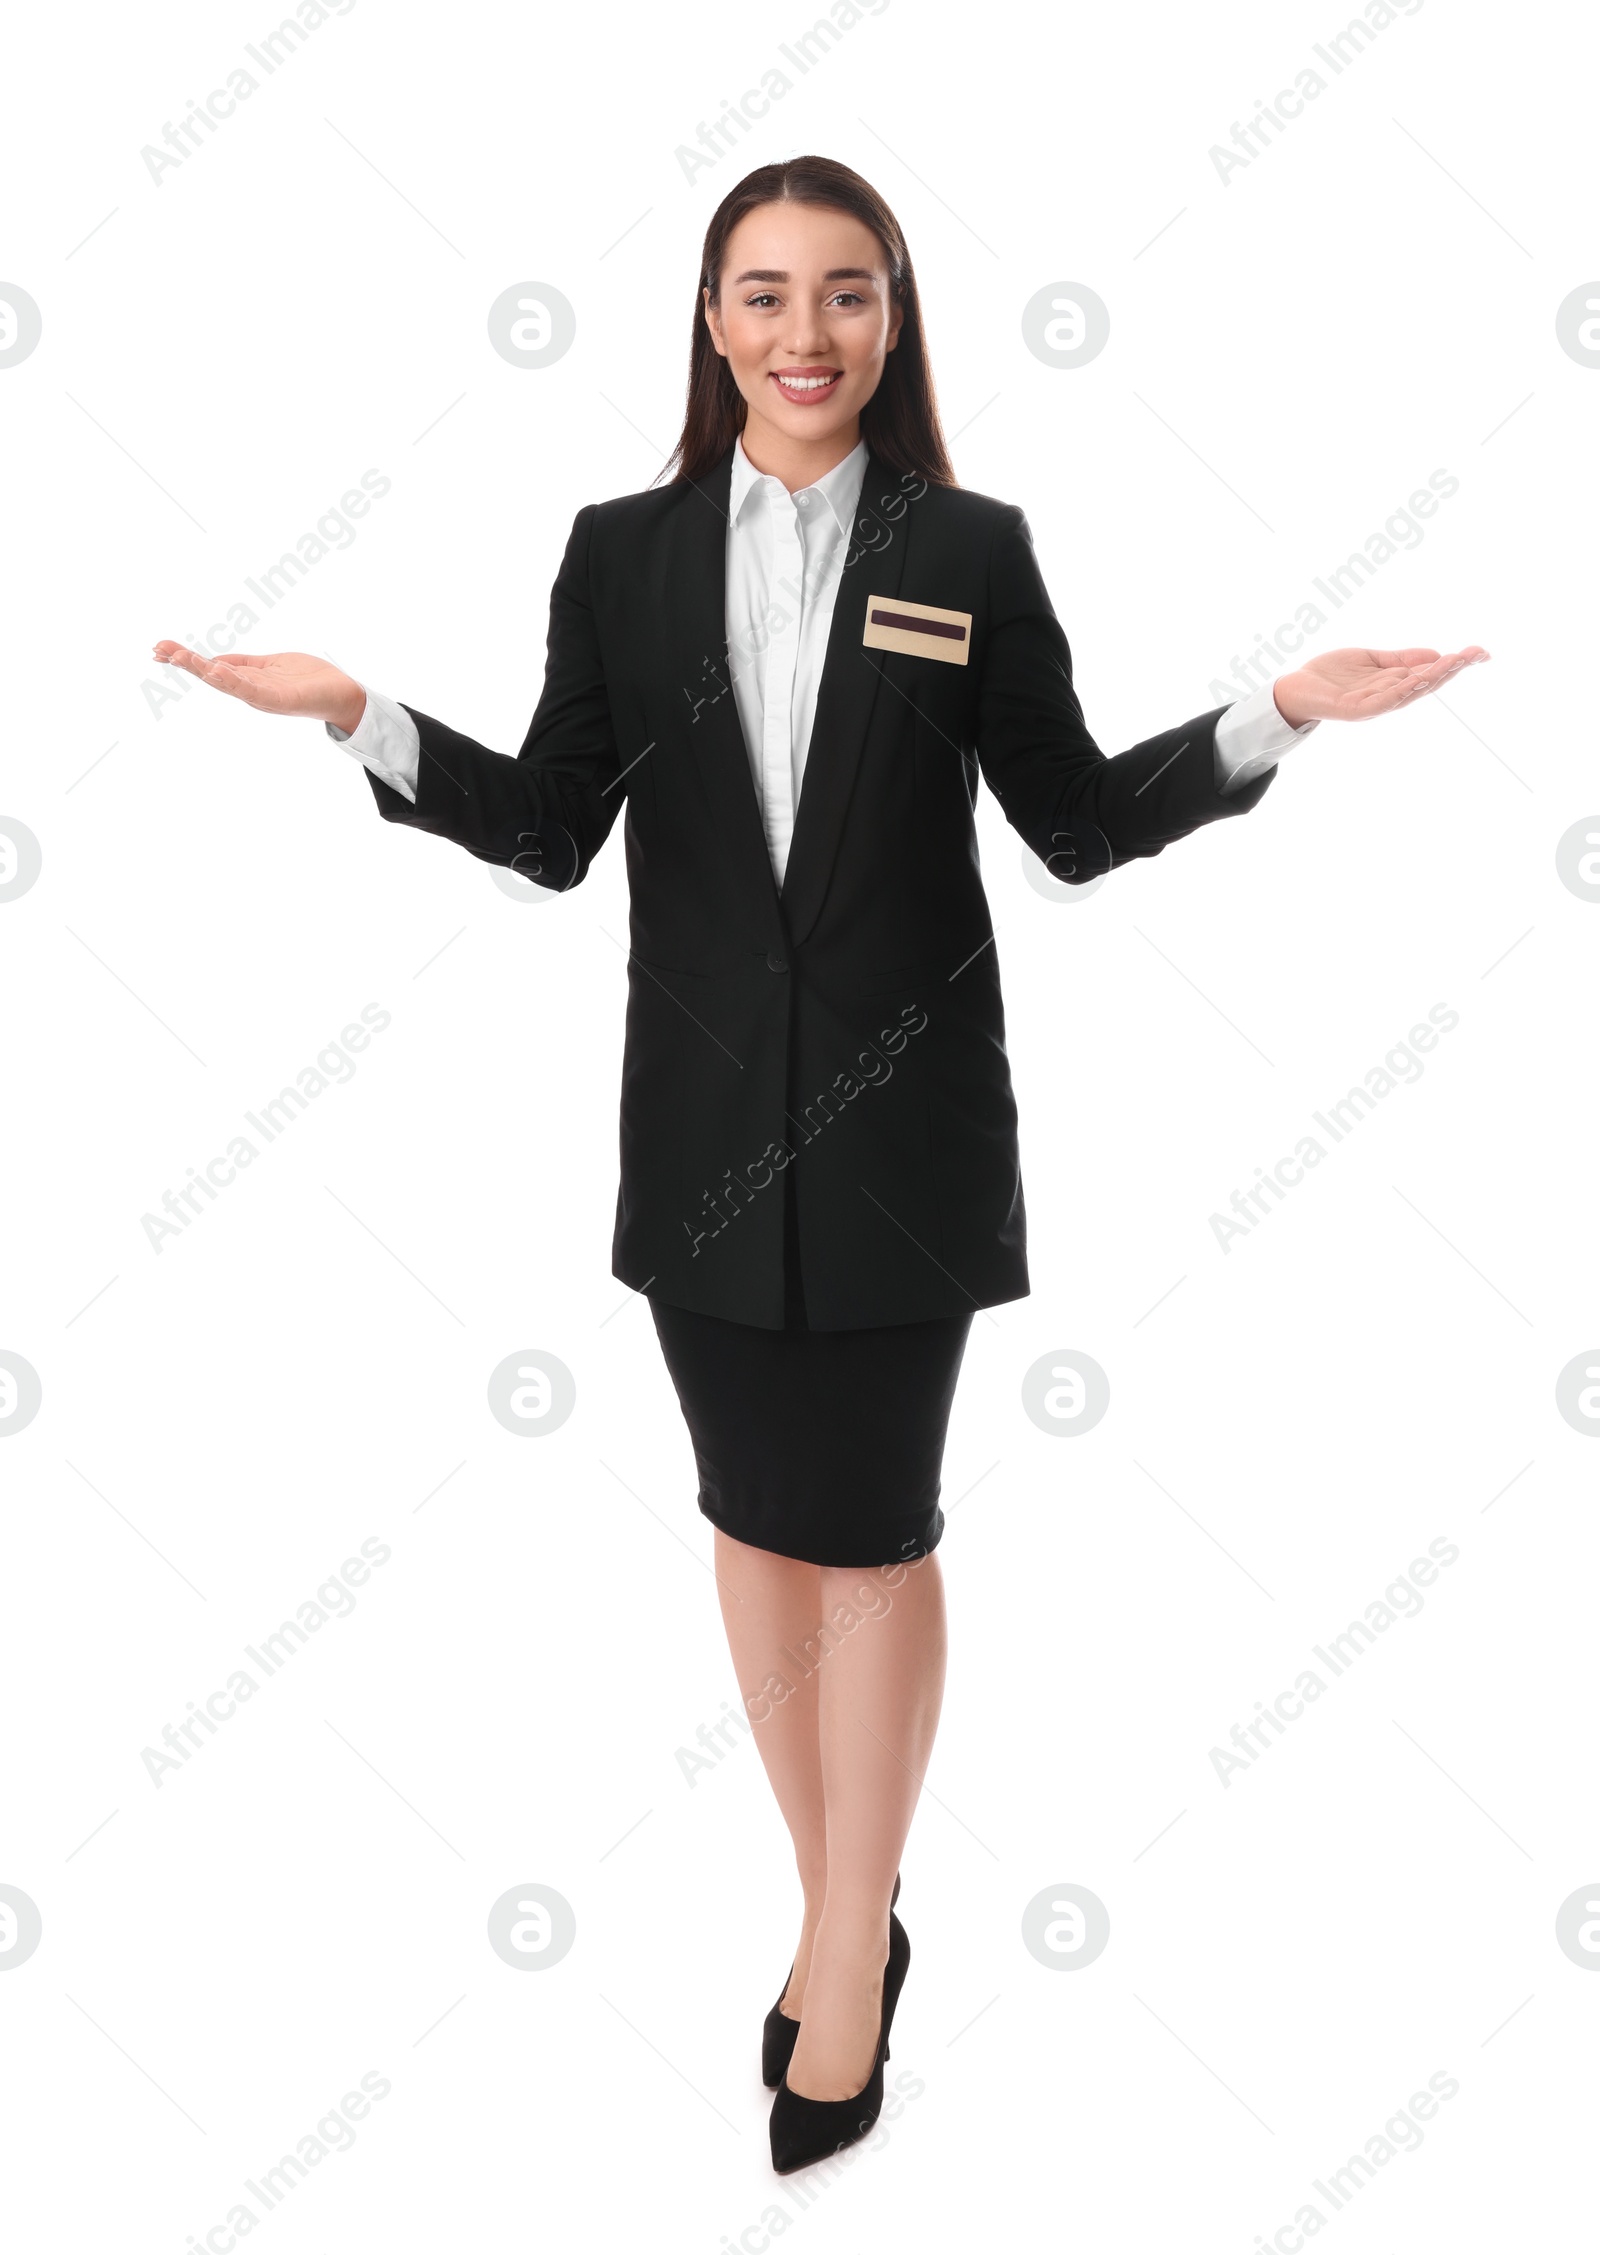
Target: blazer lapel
column 845, row 700
column 697, row 604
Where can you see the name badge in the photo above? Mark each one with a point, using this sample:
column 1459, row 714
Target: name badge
column 920, row 630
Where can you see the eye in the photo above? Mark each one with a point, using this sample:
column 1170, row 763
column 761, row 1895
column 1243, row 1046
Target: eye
column 854, row 296
column 762, row 297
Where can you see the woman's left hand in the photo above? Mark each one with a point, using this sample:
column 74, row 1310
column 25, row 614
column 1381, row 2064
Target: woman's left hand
column 1360, row 684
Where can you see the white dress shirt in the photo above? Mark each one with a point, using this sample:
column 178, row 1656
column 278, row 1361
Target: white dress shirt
column 785, row 558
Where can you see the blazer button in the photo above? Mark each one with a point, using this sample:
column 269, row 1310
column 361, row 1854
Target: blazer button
column 776, row 963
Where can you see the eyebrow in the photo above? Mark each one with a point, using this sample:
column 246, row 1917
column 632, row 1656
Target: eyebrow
column 834, row 274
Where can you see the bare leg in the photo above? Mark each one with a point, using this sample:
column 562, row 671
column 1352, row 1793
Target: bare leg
column 768, row 1603
column 882, row 1685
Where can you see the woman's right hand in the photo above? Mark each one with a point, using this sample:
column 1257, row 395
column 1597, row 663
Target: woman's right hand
column 302, row 687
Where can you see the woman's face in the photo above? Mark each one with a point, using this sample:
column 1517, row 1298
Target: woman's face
column 805, row 320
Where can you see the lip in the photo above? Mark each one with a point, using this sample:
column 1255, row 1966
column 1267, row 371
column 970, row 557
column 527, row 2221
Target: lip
column 814, row 395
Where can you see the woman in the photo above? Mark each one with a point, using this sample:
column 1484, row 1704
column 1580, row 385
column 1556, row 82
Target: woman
column 790, row 664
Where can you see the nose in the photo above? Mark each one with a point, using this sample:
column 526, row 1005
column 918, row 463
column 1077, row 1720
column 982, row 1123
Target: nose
column 808, row 334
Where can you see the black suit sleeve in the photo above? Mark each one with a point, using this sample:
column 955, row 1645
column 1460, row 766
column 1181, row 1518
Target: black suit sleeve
column 547, row 812
column 1081, row 812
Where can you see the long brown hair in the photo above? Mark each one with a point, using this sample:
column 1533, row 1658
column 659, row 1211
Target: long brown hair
column 900, row 422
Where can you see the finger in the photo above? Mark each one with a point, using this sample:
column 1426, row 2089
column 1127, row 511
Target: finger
column 214, row 672
column 179, row 653
column 1434, row 677
column 1393, row 688
column 1424, row 659
column 187, row 660
column 1437, row 681
column 247, row 687
column 1402, row 684
column 1445, row 670
column 1429, row 677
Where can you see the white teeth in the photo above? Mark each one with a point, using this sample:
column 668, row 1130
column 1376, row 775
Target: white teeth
column 805, row 383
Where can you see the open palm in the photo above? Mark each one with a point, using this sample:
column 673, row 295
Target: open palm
column 1360, row 684
column 288, row 682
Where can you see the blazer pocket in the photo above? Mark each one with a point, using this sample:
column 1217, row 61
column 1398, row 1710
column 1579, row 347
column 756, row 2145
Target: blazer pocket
column 667, row 970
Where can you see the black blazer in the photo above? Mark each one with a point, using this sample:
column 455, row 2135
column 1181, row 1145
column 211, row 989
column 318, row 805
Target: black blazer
column 851, row 1026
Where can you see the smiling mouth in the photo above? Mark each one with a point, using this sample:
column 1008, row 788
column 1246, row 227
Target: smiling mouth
column 808, row 385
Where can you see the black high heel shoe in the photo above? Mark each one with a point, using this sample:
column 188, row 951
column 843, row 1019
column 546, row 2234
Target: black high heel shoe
column 778, row 2031
column 804, row 2130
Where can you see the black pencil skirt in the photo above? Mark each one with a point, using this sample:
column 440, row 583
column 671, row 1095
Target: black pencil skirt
column 821, row 1445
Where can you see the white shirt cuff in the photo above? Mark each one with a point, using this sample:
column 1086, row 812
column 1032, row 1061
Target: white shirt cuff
column 385, row 739
column 1251, row 737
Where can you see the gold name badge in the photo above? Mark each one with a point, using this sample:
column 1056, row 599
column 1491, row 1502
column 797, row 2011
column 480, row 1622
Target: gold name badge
column 920, row 630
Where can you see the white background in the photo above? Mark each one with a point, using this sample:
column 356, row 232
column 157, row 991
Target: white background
column 1373, row 1367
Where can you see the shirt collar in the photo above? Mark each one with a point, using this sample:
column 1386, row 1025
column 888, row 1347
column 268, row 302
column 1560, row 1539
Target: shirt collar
column 840, row 487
